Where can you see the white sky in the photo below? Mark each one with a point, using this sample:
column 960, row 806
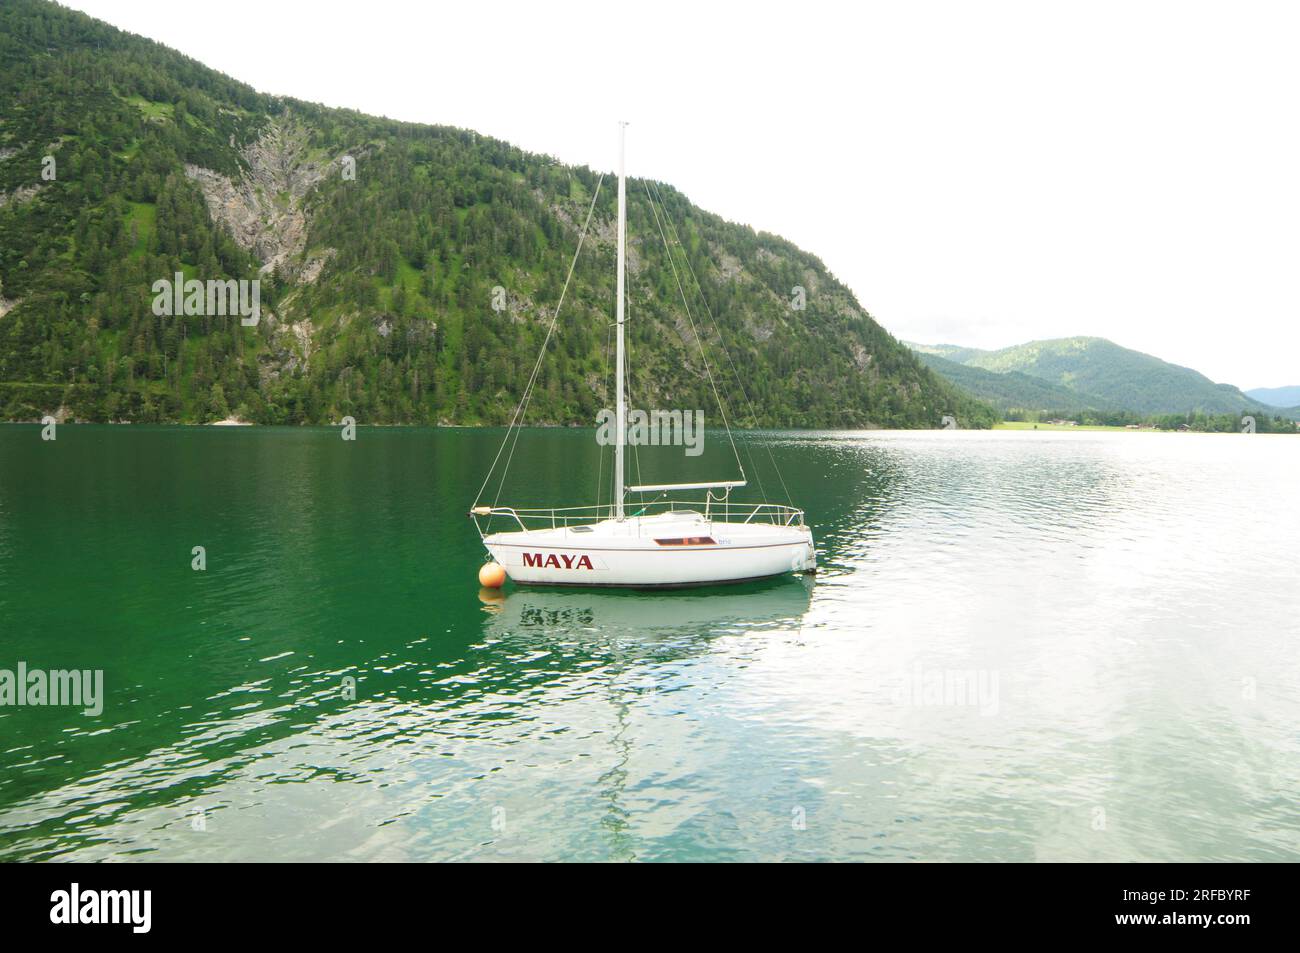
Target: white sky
column 978, row 173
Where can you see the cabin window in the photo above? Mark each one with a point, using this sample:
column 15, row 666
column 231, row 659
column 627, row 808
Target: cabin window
column 688, row 541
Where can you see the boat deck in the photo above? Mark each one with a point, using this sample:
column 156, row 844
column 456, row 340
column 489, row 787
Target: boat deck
column 679, row 529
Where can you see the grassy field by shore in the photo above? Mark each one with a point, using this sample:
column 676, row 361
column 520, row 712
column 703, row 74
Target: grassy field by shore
column 1030, row 425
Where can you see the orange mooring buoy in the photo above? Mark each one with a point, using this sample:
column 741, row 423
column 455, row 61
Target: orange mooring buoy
column 491, row 576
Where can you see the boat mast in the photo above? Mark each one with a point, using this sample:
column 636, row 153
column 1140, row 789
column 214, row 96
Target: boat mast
column 621, row 413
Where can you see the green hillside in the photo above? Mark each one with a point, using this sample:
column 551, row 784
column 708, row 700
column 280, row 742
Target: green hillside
column 1012, row 391
column 1103, row 373
column 377, row 289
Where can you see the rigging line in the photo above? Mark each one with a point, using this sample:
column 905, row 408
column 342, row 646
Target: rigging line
column 731, row 361
column 734, row 370
column 758, row 474
column 540, row 354
column 698, row 342
column 527, row 394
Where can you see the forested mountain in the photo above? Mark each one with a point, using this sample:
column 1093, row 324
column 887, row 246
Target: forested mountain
column 1104, row 375
column 1011, row 391
column 407, row 273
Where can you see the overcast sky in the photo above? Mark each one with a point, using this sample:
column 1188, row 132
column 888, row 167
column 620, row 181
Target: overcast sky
column 978, row 173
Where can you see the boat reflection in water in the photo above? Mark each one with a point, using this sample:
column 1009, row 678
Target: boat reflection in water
column 595, row 616
column 618, row 668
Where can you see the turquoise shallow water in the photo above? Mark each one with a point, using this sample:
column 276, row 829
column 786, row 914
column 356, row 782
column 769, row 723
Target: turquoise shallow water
column 1021, row 646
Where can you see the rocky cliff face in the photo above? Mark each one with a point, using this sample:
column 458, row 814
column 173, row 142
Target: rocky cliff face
column 266, row 210
column 25, row 194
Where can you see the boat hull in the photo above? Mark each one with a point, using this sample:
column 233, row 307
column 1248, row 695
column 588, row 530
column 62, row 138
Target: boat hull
column 650, row 556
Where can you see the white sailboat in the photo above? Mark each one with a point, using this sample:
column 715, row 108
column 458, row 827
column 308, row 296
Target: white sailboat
column 665, row 542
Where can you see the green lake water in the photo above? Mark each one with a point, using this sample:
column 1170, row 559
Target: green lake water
column 1020, row 646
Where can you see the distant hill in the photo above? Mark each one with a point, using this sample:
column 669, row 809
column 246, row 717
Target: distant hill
column 950, row 352
column 1011, row 391
column 1101, row 372
column 1276, row 396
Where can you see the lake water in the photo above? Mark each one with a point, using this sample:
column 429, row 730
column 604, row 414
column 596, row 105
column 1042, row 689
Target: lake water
column 1020, row 646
